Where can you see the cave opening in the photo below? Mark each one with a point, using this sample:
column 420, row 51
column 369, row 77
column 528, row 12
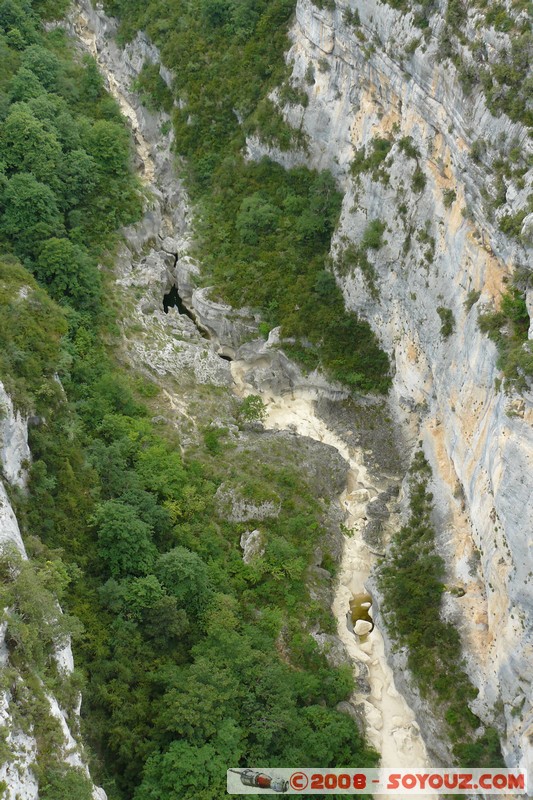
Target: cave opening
column 226, row 358
column 172, row 299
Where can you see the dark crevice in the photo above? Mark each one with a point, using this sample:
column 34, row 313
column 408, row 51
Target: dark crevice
column 226, row 358
column 173, row 300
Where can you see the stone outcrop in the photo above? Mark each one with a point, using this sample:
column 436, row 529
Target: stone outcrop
column 228, row 326
column 236, row 507
column 252, row 545
column 440, row 250
column 14, row 450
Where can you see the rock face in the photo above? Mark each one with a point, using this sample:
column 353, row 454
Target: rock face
column 155, row 255
column 442, row 250
column 16, row 772
column 230, row 327
column 252, row 545
column 233, row 506
column 14, row 450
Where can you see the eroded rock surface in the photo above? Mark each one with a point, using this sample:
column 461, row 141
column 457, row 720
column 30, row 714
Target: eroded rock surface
column 440, row 249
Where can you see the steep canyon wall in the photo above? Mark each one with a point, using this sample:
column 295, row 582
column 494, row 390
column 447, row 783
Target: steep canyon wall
column 440, row 250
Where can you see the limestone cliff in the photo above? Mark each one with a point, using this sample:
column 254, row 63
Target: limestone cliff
column 17, row 775
column 437, row 254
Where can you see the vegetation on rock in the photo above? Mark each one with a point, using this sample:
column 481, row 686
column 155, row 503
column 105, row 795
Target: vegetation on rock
column 264, row 232
column 411, row 578
column 508, row 328
column 190, row 656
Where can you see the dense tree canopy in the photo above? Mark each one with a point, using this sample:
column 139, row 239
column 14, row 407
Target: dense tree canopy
column 181, row 639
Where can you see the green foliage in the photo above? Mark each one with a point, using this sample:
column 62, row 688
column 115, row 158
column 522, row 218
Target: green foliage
column 508, row 328
column 268, row 123
column 153, row 90
column 180, row 641
column 506, row 79
column 31, row 327
column 356, row 257
column 511, row 224
column 30, row 214
column 176, row 646
column 422, row 10
column 411, row 579
column 35, row 627
column 186, row 770
column 179, row 647
column 293, row 95
column 455, row 14
column 472, row 298
column 256, row 216
column 371, row 159
column 124, row 541
column 408, row 147
column 69, row 273
column 327, row 4
column 413, row 45
column 265, row 232
column 448, row 197
column 269, row 250
column 63, row 783
column 185, row 576
column 447, row 321
column 108, row 144
column 65, row 160
column 352, row 17
column 497, row 16
column 418, row 181
column 507, row 83
column 373, row 235
column 325, row 284
column 252, row 408
column 212, row 439
column 478, row 150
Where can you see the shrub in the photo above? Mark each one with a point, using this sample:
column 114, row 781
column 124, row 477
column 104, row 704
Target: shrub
column 153, row 90
column 447, row 321
column 508, row 328
column 352, row 17
column 472, row 298
column 478, row 150
column 408, row 147
column 511, row 224
column 327, row 4
column 252, row 409
column 373, row 235
column 418, row 181
column 449, row 196
column 371, row 158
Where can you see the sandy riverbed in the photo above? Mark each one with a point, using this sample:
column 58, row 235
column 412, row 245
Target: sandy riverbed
column 390, row 723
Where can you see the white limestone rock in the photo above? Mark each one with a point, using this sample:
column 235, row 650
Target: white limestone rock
column 479, row 441
column 229, row 326
column 252, row 545
column 9, row 527
column 14, row 450
column 235, row 507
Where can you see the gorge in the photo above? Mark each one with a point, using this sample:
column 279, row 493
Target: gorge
column 420, row 255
